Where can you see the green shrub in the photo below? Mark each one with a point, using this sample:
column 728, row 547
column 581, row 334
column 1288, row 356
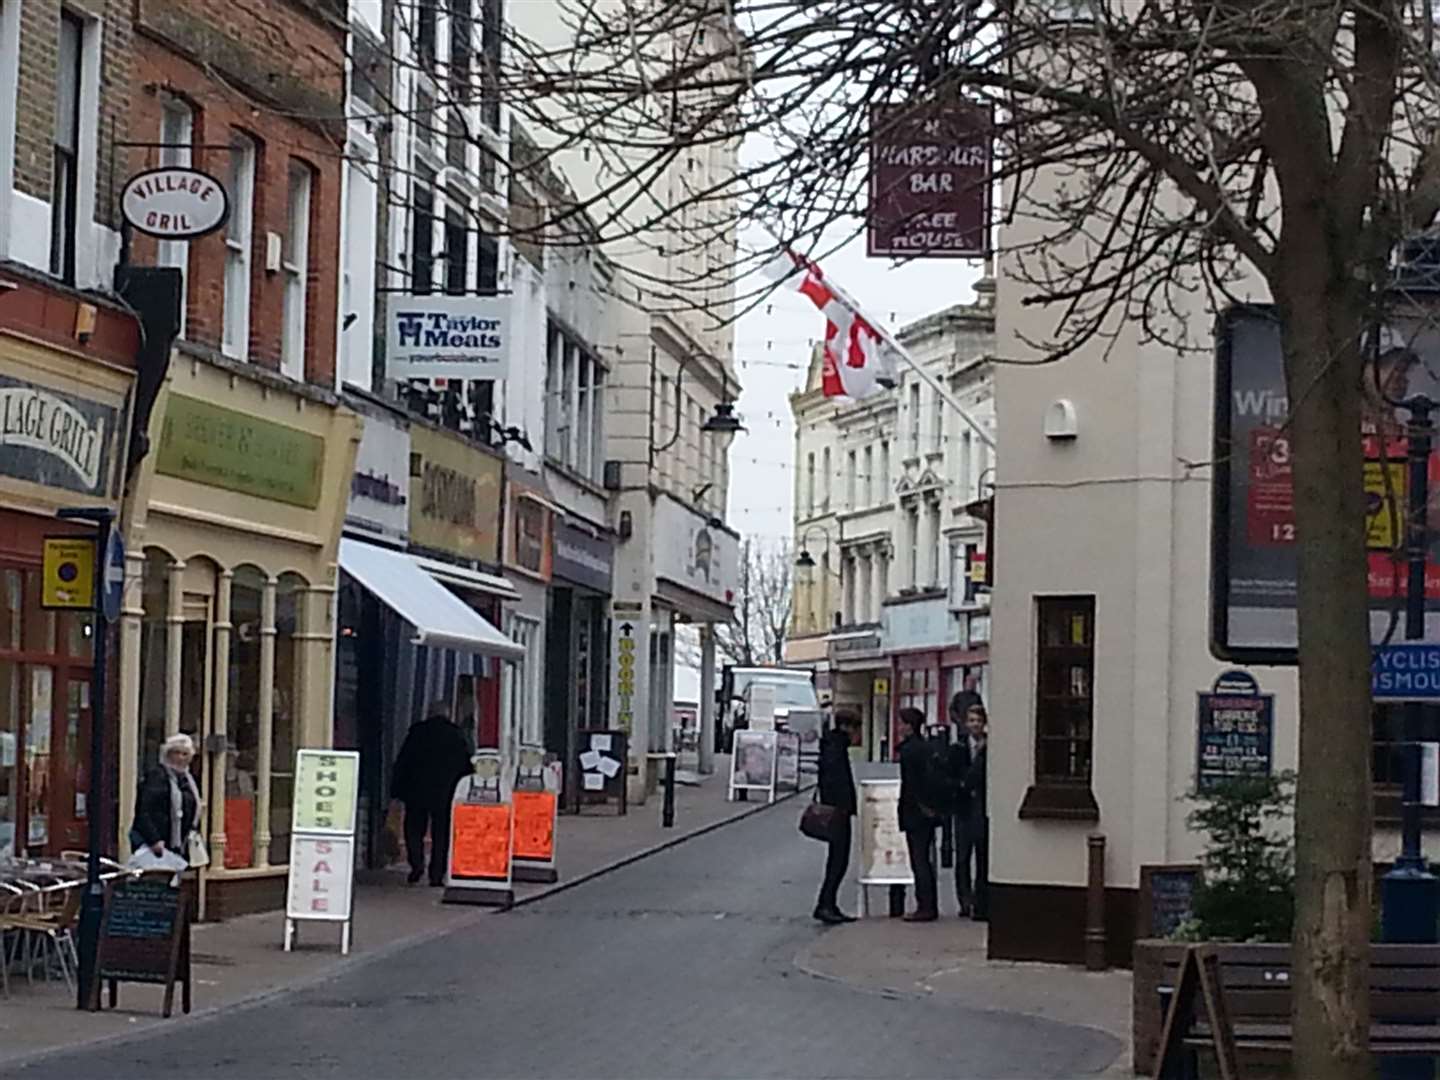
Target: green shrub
column 1247, row 892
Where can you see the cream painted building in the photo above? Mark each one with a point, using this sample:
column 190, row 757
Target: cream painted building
column 890, row 614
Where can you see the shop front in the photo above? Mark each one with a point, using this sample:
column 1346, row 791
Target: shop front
column 227, row 628
column 860, row 682
column 529, row 546
column 576, row 638
column 64, row 424
column 931, row 658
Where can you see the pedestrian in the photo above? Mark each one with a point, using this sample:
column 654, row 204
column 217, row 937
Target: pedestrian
column 972, row 818
column 167, row 807
column 433, row 759
column 921, row 798
column 837, row 790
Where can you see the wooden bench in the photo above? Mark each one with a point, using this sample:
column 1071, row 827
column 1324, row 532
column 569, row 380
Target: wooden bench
column 1236, row 999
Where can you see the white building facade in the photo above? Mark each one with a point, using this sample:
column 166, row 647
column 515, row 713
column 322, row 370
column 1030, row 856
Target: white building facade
column 893, row 612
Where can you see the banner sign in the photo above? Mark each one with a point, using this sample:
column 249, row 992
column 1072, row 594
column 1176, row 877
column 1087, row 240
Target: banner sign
column 448, row 337
column 53, row 438
column 322, row 870
column 1254, row 552
column 325, row 791
column 929, row 180
column 884, row 858
column 320, row 885
column 1235, row 731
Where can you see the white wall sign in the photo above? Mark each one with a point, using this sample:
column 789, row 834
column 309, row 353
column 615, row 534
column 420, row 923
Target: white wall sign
column 380, row 489
column 174, row 203
column 695, row 554
column 322, row 869
column 448, row 337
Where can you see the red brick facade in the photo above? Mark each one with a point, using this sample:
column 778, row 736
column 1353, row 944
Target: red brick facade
column 274, row 71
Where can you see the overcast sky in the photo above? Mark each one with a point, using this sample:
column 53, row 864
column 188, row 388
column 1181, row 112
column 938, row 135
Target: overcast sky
column 772, row 346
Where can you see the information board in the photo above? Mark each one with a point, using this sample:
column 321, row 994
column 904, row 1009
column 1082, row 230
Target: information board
column 1167, row 898
column 145, row 937
column 601, row 757
column 322, row 870
column 1235, row 731
column 884, row 858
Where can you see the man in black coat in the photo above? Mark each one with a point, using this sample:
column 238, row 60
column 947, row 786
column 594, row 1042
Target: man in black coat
column 837, row 789
column 432, row 761
column 919, row 814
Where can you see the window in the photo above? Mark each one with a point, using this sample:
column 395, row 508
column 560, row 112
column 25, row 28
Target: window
column 848, row 569
column 422, row 231
column 64, row 185
column 885, row 470
column 972, row 565
column 912, row 544
column 825, row 480
column 869, row 484
column 574, row 410
column 583, row 417
column 426, row 31
column 457, row 250
column 297, row 271
column 554, row 402
column 597, row 422
column 238, row 243
column 962, row 488
column 177, row 133
column 488, row 280
column 866, row 586
column 1065, row 688
column 937, row 545
column 462, row 50
column 914, row 420
column 937, row 423
column 850, row 470
column 810, row 484
column 882, row 569
column 491, row 27
column 523, row 691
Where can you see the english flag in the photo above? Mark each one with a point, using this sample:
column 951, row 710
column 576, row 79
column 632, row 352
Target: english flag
column 858, row 360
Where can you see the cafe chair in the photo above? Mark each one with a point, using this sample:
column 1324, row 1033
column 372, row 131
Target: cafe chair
column 54, row 933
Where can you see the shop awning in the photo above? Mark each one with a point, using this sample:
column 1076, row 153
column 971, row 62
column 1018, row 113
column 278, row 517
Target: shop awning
column 462, row 577
column 440, row 618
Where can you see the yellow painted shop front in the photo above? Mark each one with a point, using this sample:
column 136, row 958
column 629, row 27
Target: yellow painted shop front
column 227, row 630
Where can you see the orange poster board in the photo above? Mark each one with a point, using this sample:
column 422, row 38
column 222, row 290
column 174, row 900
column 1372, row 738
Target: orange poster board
column 535, row 825
column 480, row 840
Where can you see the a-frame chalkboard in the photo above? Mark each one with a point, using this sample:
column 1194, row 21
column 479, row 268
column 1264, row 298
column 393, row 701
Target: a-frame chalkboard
column 145, row 937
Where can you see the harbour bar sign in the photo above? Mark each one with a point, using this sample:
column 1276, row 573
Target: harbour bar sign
column 174, row 203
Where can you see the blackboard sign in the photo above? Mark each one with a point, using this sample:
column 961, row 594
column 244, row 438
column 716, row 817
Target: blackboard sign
column 145, row 937
column 1235, row 731
column 1167, row 898
column 602, row 762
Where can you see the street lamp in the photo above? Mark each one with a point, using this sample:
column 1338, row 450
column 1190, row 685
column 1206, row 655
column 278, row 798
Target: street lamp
column 806, row 561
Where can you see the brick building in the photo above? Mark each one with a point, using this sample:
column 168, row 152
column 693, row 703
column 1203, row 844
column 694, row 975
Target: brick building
column 254, row 95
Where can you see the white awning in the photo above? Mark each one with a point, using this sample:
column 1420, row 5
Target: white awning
column 440, row 618
column 462, row 577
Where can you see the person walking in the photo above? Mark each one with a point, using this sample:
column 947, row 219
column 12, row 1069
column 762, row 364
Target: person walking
column 919, row 813
column 167, row 807
column 969, row 764
column 837, row 790
column 432, row 761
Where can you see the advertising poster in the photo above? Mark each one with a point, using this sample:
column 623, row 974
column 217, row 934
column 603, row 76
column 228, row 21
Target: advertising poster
column 1235, row 726
column 884, row 859
column 787, row 761
column 752, row 766
column 480, row 841
column 1255, row 568
column 535, row 825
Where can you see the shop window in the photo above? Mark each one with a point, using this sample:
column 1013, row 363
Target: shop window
column 284, row 731
column 10, row 676
column 1064, row 709
column 919, row 689
column 154, row 647
column 243, row 720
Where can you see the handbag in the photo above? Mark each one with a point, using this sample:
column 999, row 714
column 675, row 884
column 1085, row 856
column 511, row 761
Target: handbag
column 818, row 822
column 196, row 853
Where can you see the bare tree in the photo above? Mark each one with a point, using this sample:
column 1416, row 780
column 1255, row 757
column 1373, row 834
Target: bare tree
column 762, row 606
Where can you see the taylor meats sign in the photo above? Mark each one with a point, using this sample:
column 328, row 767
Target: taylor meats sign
column 54, row 439
column 174, row 203
column 449, row 337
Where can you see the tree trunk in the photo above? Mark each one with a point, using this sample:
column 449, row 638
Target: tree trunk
column 1322, row 308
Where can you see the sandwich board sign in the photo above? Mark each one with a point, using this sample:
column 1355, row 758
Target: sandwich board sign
column 884, row 857
column 482, row 836
column 537, row 802
column 322, row 842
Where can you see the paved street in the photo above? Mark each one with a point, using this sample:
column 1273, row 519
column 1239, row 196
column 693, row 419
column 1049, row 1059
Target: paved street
column 681, row 965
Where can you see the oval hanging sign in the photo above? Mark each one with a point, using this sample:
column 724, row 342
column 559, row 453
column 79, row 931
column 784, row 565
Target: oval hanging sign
column 174, row 203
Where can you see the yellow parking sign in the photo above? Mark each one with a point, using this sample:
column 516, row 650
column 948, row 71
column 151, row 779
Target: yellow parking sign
column 68, row 578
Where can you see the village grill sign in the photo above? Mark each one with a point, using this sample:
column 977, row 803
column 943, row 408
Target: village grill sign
column 174, row 203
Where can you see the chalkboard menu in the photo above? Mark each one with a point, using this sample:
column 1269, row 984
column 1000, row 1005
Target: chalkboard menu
column 145, row 937
column 1235, row 731
column 1167, row 898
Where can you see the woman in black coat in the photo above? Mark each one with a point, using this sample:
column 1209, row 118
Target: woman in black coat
column 167, row 809
column 837, row 790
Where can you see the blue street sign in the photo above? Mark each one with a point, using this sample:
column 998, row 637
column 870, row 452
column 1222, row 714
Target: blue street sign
column 1406, row 671
column 112, row 586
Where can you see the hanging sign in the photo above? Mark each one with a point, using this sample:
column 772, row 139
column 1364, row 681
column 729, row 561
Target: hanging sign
column 1234, row 731
column 174, row 203
column 449, row 337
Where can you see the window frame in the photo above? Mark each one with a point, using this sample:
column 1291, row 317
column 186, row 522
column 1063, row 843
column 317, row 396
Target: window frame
column 65, row 158
column 295, row 265
column 1063, row 793
column 177, row 150
column 239, row 283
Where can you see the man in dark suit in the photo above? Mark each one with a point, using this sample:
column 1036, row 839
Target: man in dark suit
column 968, row 765
column 837, row 789
column 432, row 760
column 919, row 813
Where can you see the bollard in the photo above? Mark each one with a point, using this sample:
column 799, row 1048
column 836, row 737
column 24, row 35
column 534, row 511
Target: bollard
column 1095, row 904
column 667, row 813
